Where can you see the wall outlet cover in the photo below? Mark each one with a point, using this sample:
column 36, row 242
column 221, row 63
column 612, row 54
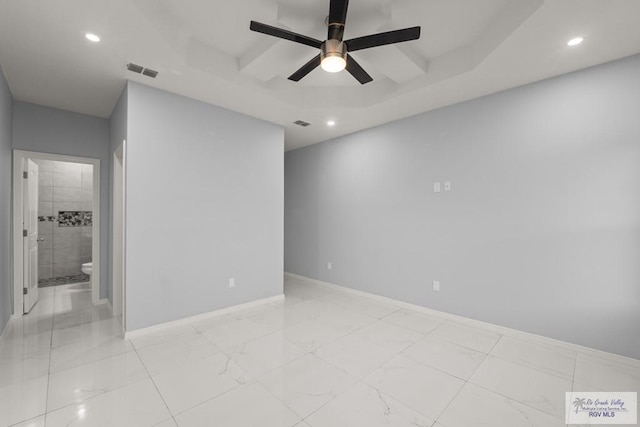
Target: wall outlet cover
column 232, row 282
column 436, row 286
column 436, row 187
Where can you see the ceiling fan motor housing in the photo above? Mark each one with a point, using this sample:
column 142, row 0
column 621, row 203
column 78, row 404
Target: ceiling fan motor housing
column 333, row 51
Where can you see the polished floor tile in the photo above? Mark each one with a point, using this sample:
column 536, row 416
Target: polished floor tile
column 363, row 405
column 34, row 422
column 86, row 331
column 264, row 354
column 231, row 334
column 478, row 407
column 414, row 321
column 451, row 358
column 387, row 335
column 189, row 385
column 23, row 344
column 533, row 387
column 607, row 375
column 307, row 383
column 23, row 400
column 137, row 404
column 87, row 351
column 319, row 358
column 177, row 353
column 298, row 290
column 312, row 334
column 167, row 423
column 362, row 305
column 85, row 381
column 19, row 369
column 162, row 335
column 466, row 336
column 356, row 356
column 554, row 360
column 420, row 387
column 246, row 406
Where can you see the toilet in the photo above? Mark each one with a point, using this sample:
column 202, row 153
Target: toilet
column 87, row 268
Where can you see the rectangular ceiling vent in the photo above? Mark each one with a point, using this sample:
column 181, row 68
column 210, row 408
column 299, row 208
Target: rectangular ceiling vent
column 301, row 123
column 139, row 69
column 135, row 67
column 150, row 73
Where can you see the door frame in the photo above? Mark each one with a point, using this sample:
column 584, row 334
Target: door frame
column 119, row 231
column 18, row 242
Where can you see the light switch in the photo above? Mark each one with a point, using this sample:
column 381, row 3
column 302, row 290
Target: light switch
column 447, row 186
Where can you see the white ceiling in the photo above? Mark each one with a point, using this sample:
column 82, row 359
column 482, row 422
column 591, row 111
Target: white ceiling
column 203, row 49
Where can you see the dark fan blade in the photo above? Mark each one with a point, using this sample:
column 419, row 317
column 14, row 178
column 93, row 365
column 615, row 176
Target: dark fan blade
column 337, row 18
column 284, row 34
column 306, row 69
column 357, row 71
column 382, row 39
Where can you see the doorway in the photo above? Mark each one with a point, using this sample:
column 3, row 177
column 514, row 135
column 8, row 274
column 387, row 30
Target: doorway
column 56, row 211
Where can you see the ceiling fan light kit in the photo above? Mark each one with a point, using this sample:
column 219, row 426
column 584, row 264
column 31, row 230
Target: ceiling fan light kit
column 333, row 56
column 334, row 52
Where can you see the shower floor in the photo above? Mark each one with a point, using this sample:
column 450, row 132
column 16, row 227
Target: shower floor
column 64, row 280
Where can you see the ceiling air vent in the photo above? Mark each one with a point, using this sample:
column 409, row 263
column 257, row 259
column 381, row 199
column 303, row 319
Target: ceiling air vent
column 301, row 123
column 134, row 67
column 139, row 69
column 150, row 73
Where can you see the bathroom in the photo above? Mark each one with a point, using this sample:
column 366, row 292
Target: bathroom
column 65, row 214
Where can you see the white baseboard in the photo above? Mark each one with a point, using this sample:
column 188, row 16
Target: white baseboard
column 503, row 330
column 221, row 312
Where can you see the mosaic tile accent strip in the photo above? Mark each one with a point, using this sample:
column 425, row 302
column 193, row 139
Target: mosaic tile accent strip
column 87, row 218
column 70, row 218
column 64, row 280
column 75, row 218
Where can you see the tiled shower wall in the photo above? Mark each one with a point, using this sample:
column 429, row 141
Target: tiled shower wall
column 65, row 211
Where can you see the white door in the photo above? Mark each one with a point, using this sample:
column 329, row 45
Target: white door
column 30, row 224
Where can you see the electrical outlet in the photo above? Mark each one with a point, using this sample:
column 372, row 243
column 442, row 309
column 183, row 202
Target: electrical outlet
column 329, row 265
column 436, row 187
column 436, row 286
column 232, row 282
column 447, row 186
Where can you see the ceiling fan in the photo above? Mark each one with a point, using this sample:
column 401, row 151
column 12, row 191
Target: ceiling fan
column 334, row 52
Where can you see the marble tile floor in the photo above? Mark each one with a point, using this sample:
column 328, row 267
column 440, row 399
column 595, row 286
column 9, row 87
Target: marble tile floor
column 320, row 358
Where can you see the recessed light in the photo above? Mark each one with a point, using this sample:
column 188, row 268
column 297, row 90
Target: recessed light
column 331, row 123
column 575, row 41
column 92, row 37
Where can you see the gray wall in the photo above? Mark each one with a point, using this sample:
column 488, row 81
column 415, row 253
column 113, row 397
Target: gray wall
column 541, row 231
column 117, row 133
column 6, row 108
column 204, row 203
column 49, row 130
